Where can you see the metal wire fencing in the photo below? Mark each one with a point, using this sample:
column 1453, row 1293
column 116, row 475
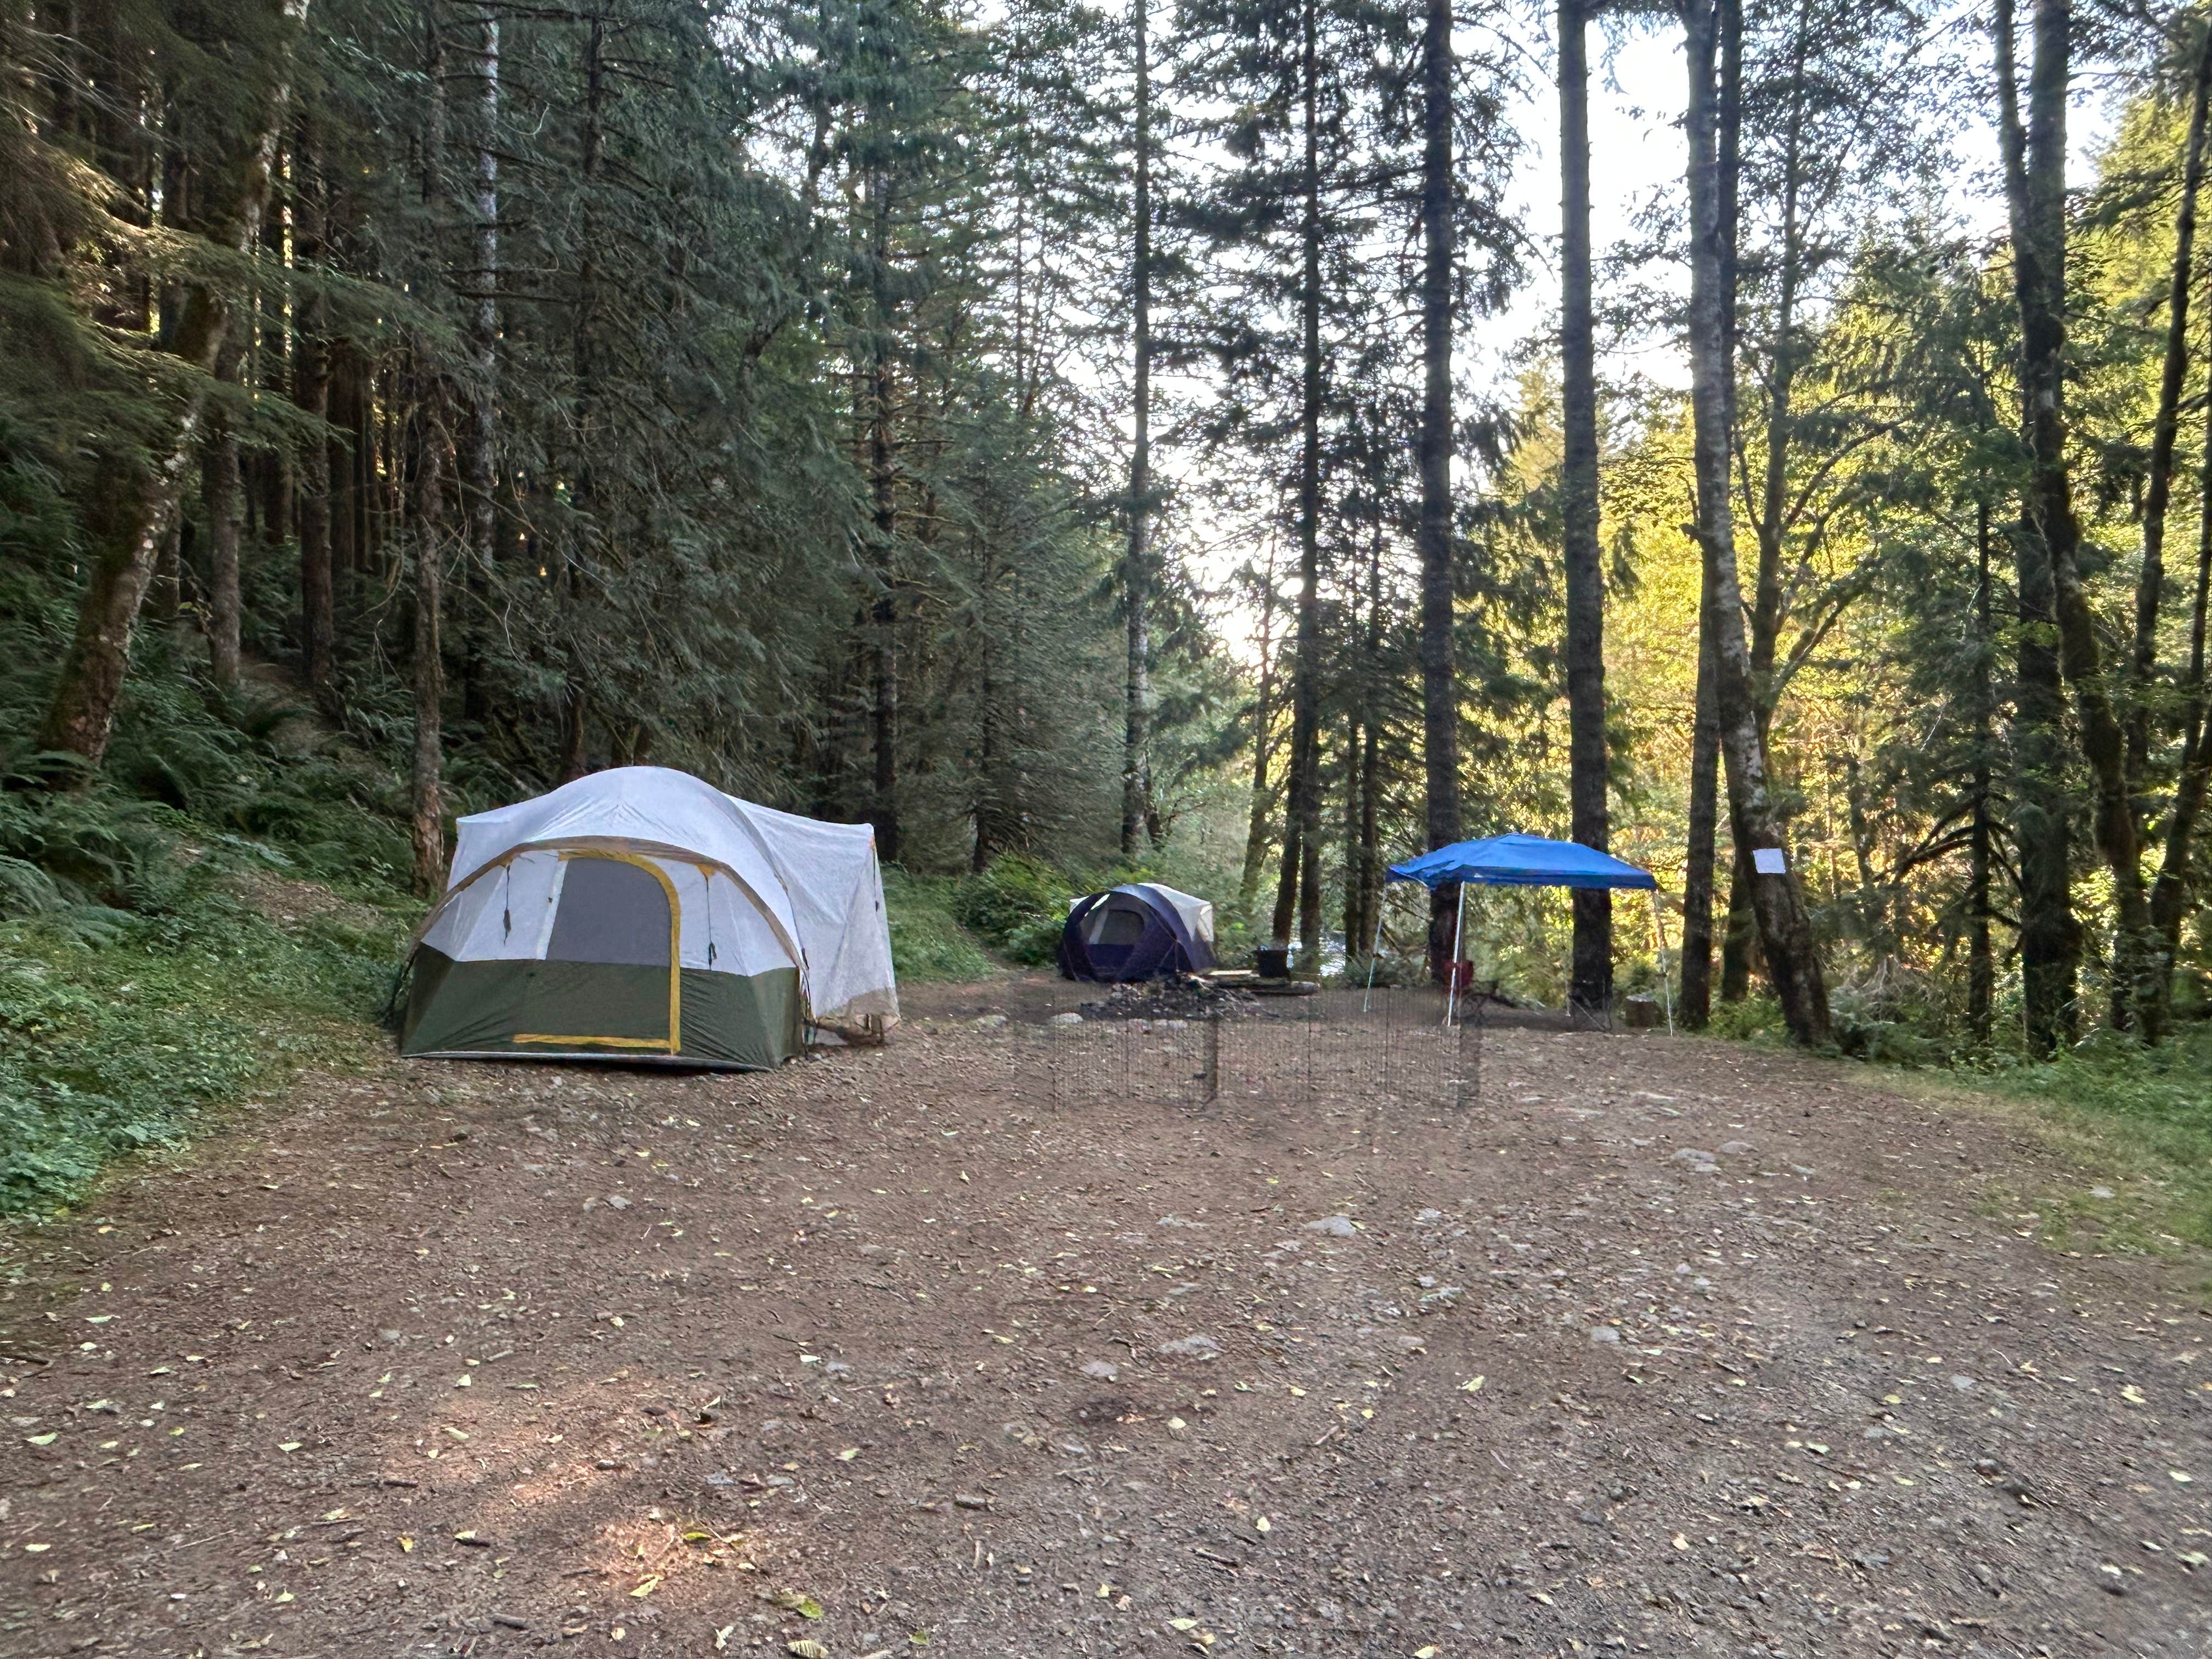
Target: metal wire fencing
column 1197, row 1046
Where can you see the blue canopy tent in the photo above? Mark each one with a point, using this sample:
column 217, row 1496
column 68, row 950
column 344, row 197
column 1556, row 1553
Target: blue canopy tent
column 1521, row 861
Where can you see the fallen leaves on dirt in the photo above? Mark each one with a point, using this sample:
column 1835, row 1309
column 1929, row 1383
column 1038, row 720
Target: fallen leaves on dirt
column 1069, row 1377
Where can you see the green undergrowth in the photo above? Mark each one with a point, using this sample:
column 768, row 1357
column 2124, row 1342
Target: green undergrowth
column 2135, row 1123
column 167, row 948
column 2149, row 1112
column 927, row 941
column 218, row 904
column 2132, row 1127
column 1020, row 905
column 966, row 927
column 120, row 1038
column 159, row 960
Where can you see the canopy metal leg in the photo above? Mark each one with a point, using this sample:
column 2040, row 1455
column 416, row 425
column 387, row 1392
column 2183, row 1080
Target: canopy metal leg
column 1458, row 927
column 1381, row 897
column 1666, row 984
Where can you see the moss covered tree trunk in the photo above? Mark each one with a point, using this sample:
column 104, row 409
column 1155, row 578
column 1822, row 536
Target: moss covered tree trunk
column 137, row 509
column 219, row 491
column 1793, row 961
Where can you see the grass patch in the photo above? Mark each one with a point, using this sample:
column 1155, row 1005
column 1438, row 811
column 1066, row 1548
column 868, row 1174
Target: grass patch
column 2133, row 1131
column 2153, row 1109
column 2132, row 1126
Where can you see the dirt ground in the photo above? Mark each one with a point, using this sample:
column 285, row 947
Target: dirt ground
column 1663, row 1346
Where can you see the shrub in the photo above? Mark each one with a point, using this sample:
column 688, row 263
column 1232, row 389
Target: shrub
column 1756, row 1015
column 927, row 941
column 1019, row 906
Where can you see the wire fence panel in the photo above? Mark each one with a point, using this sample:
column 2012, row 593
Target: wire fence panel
column 1192, row 1045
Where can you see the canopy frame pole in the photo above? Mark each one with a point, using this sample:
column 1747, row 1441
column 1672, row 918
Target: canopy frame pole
column 1666, row 984
column 1458, row 929
column 1381, row 898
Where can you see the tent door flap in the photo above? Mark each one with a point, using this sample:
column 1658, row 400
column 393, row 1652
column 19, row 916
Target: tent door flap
column 618, row 914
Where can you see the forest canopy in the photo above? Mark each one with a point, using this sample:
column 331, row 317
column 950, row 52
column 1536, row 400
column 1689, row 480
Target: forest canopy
column 1150, row 438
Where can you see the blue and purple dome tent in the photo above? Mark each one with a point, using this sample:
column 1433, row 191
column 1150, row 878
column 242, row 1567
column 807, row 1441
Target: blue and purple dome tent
column 1139, row 931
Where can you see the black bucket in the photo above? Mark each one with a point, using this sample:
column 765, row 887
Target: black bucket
column 1273, row 961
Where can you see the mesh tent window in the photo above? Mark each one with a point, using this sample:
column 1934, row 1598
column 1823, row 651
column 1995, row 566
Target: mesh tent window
column 611, row 911
column 1116, row 925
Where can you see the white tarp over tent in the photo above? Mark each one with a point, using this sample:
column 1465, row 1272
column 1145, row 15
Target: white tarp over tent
column 1197, row 914
column 816, row 884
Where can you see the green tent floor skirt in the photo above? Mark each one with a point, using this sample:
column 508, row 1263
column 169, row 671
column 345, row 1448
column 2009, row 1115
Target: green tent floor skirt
column 509, row 1009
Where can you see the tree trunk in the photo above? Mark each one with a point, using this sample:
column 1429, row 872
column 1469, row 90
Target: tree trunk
column 1591, row 983
column 2150, row 585
column 1371, row 856
column 342, row 458
column 382, row 467
column 138, row 506
column 1310, row 898
column 433, row 442
column 1351, row 893
column 1981, row 959
column 883, row 479
column 1739, row 923
column 1365, row 874
column 1772, row 526
column 2171, row 896
column 481, row 454
column 219, row 491
column 993, row 818
column 575, row 734
column 1786, row 932
column 311, row 392
column 577, row 699
column 1285, row 918
column 883, row 630
column 1136, row 573
column 1439, row 671
column 426, row 769
column 1263, row 713
column 1696, row 992
column 2035, row 192
column 433, row 153
column 1740, row 933
column 884, row 721
column 1302, row 874
column 273, row 360
column 165, row 595
column 2050, row 937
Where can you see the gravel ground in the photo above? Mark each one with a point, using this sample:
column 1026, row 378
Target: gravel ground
column 1663, row 1346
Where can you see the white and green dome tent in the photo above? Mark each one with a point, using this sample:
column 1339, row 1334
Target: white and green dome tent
column 644, row 915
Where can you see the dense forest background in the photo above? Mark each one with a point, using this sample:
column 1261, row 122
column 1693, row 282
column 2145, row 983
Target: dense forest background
column 1085, row 440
